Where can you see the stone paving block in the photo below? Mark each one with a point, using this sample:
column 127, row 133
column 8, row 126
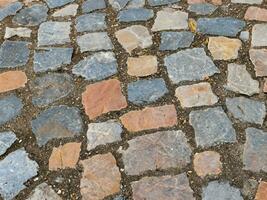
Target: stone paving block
column 20, row 32
column 15, row 169
column 92, row 5
column 259, row 35
column 118, row 4
column 69, row 10
column 7, row 138
column 189, row 65
column 150, row 118
column 9, row 9
column 101, row 177
column 255, row 150
column 247, row 1
column 91, row 22
column 43, row 192
column 202, row 8
column 258, row 58
column 55, row 123
column 146, row 91
column 57, row 3
column 135, row 14
column 12, row 80
column 163, row 187
column 212, row 127
column 244, row 36
column 136, row 4
column 262, row 191
column 157, row 151
column 161, row 2
column 256, row 13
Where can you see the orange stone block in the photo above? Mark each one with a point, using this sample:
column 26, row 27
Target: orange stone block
column 12, row 80
column 262, row 191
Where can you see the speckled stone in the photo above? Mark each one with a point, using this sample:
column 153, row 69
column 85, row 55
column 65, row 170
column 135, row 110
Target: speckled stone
column 259, row 35
column 175, row 40
column 91, row 22
column 135, row 14
column 10, row 9
column 43, row 192
column 7, row 138
column 57, row 3
column 92, row 5
column 202, row 8
column 161, row 2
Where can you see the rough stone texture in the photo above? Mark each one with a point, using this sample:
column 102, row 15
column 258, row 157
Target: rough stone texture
column 135, row 14
column 31, row 16
column 207, row 163
column 133, row 37
column 259, row 35
column 189, row 65
column 157, row 151
column 136, row 4
column 258, row 58
column 202, row 8
column 65, row 156
column 175, row 40
column 20, row 32
column 196, row 95
column 98, row 66
column 170, row 19
column 52, row 33
column 9, row 9
column 91, row 22
column 14, row 54
column 164, row 187
column 92, row 5
column 50, row 88
column 10, row 107
column 223, row 48
column 103, row 133
column 56, row 122
column 69, row 10
column 255, row 150
column 15, row 169
column 212, row 127
column 51, row 58
column 94, row 42
column 246, row 110
column 103, row 97
column 118, row 4
column 161, row 2
column 12, row 80
column 247, row 1
column 43, row 192
column 239, row 80
column 250, row 188
column 101, row 177
column 142, row 66
column 244, row 36
column 57, row 3
column 262, row 191
column 255, row 13
column 150, row 118
column 146, row 91
column 221, row 191
column 7, row 138
column 224, row 26
column 265, row 86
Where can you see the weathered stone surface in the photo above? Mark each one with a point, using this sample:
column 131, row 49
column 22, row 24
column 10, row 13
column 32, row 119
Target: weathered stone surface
column 223, row 48
column 103, row 97
column 12, row 80
column 150, row 118
column 10, row 107
column 136, row 4
column 249, row 188
column 56, row 122
column 247, row 1
column 161, row 2
column 43, row 192
column 92, row 5
column 50, row 88
column 31, row 16
column 65, row 156
column 15, row 169
column 224, row 26
column 57, row 3
column 163, row 187
column 220, row 191
column 256, row 13
column 51, row 33
column 98, row 66
column 262, row 191
column 239, row 80
column 118, row 4
column 142, row 66
column 135, row 14
column 246, row 110
column 189, row 65
column 212, row 127
column 101, row 177
column 146, row 91
column 258, row 58
column 170, row 19
column 255, row 150
column 133, row 37
column 69, row 10
column 244, row 36
column 207, row 163
column 20, row 32
column 103, row 133
column 7, row 138
column 14, row 54
column 51, row 58
column 5, row 3
column 91, row 22
column 175, row 40
column 202, row 8
column 94, row 42
column 160, row 150
column 259, row 35
column 9, row 9
column 265, row 86
column 196, row 95
column 190, row 2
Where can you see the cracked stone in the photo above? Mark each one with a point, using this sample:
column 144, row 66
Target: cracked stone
column 20, row 32
column 43, row 192
column 259, row 35
column 175, row 40
column 161, row 2
column 9, row 9
column 135, row 14
column 255, row 13
column 7, row 138
column 91, row 22
column 262, row 191
column 258, row 58
column 202, row 8
column 92, row 5
column 12, row 80
column 57, row 3
column 69, row 10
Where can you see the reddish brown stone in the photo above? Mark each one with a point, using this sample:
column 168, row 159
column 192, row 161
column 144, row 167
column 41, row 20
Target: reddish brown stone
column 258, row 58
column 255, row 13
column 262, row 191
column 65, row 156
column 12, row 80
column 150, row 118
column 101, row 177
column 103, row 97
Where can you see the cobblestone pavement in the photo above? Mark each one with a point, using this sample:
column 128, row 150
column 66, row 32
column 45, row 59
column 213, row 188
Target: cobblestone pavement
column 133, row 99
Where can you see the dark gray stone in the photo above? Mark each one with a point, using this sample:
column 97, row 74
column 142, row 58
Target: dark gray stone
column 15, row 170
column 7, row 138
column 14, row 54
column 50, row 88
column 31, row 16
column 202, row 8
column 91, row 22
column 57, row 122
column 189, row 65
column 10, row 107
column 118, row 4
column 92, row 5
column 175, row 40
column 161, row 2
column 51, row 58
column 57, row 3
column 10, row 9
column 135, row 14
column 146, row 91
column 212, row 127
column 224, row 26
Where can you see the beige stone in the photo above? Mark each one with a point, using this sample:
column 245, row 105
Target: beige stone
column 255, row 13
column 258, row 58
column 12, row 80
column 20, row 32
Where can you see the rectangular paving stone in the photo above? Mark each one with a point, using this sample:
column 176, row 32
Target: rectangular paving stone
column 259, row 35
column 256, row 13
column 12, row 80
column 202, row 8
column 135, row 14
column 92, row 5
column 67, row 11
column 91, row 22
column 175, row 40
column 20, row 32
column 258, row 58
